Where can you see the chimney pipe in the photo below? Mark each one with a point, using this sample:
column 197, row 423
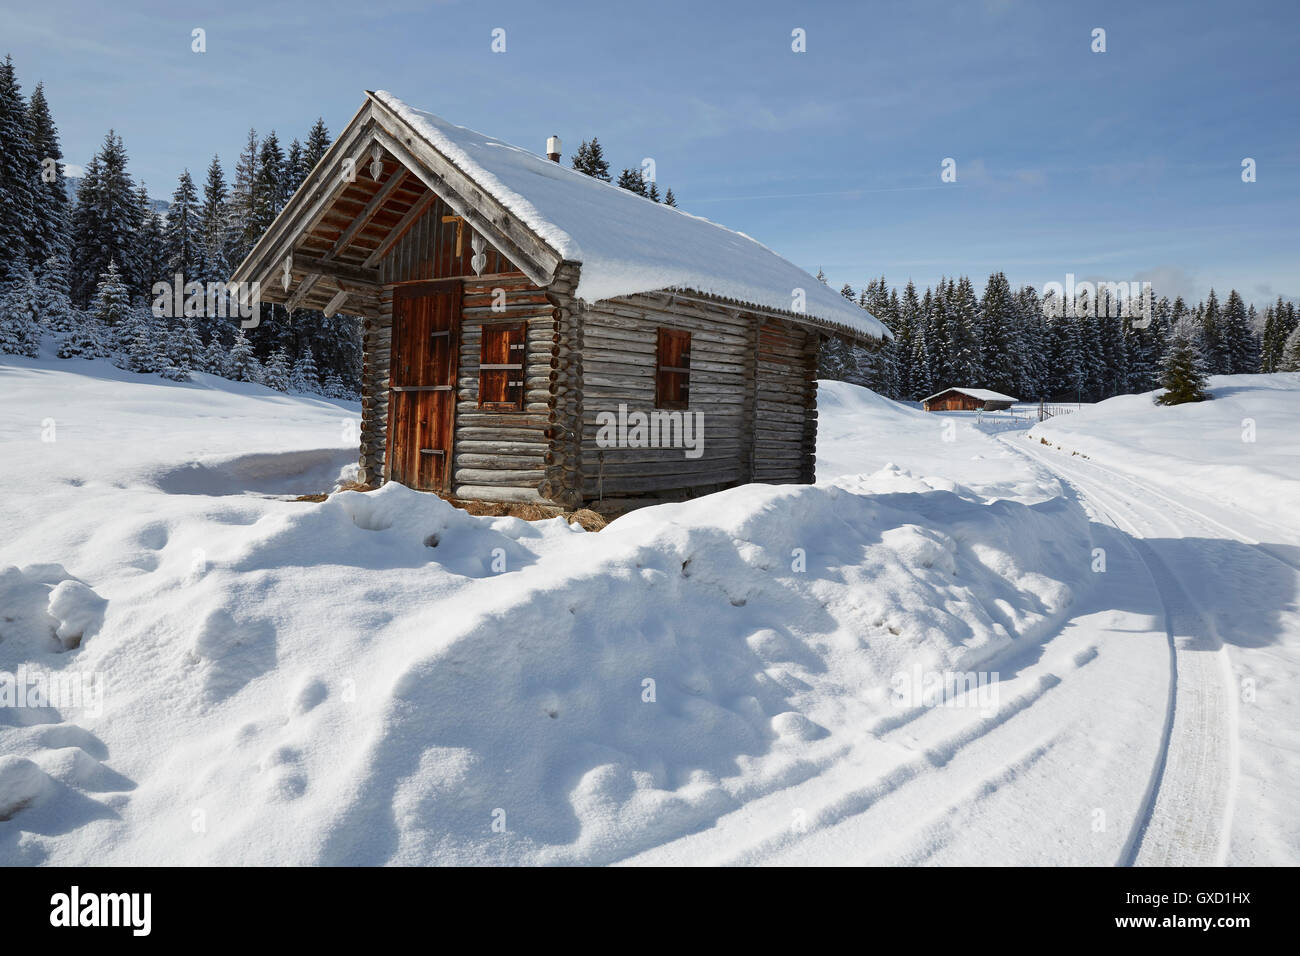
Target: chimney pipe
column 553, row 149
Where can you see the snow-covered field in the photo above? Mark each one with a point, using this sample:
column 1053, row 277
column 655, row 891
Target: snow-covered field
column 757, row 676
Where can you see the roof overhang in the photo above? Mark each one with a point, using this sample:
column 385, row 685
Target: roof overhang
column 325, row 245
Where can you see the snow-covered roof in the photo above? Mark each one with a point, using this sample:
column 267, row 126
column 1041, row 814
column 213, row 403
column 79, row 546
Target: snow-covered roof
column 628, row 244
column 983, row 394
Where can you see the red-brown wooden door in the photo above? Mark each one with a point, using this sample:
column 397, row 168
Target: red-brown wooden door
column 422, row 384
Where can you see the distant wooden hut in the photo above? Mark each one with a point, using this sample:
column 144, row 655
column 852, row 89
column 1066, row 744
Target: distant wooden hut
column 967, row 400
column 512, row 308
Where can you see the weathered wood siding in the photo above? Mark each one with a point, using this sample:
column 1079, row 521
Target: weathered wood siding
column 785, row 429
column 619, row 341
column 428, row 251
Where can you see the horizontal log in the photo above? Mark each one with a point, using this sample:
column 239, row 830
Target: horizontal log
column 628, row 485
column 528, row 477
column 489, row 447
column 522, row 495
column 497, row 462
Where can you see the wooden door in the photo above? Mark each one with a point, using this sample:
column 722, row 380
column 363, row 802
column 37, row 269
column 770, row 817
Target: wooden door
column 422, row 384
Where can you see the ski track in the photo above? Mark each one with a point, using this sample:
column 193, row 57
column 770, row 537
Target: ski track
column 1190, row 815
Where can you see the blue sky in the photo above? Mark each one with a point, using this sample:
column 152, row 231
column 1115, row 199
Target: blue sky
column 1119, row 165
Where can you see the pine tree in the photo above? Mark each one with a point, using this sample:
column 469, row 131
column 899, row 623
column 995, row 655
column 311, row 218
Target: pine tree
column 183, row 234
column 242, row 232
column 18, row 171
column 53, row 296
column 318, row 144
column 630, row 179
column 214, row 229
column 1212, row 335
column 142, row 352
column 305, row 377
column 997, row 332
column 270, row 188
column 150, row 246
column 20, row 331
column 333, row 386
column 1290, row 358
column 1114, row 371
column 242, row 364
column 81, row 340
column 1238, row 339
column 1065, row 351
column 276, row 373
column 48, row 239
column 184, row 348
column 1035, row 335
column 652, row 191
column 294, row 173
column 669, row 198
column 922, row 384
column 1092, row 369
column 106, row 223
column 111, row 306
column 215, row 359
column 83, row 228
column 590, row 159
column 1183, row 372
column 963, row 345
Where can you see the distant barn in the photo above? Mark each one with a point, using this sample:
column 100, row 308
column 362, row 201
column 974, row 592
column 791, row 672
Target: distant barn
column 513, row 307
column 967, row 400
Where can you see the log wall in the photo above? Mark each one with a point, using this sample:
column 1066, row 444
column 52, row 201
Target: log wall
column 785, row 432
column 619, row 340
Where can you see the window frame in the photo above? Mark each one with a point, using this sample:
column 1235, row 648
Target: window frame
column 510, row 330
column 665, row 374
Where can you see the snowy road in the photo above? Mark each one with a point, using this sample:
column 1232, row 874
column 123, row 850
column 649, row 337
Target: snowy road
column 1195, row 559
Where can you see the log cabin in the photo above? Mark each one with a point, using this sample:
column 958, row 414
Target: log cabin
column 967, row 400
column 533, row 334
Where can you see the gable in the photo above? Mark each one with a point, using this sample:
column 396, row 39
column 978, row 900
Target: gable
column 338, row 233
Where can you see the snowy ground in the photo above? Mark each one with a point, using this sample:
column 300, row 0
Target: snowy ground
column 744, row 678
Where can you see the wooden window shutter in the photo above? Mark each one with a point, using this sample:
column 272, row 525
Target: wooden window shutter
column 673, row 374
column 501, row 367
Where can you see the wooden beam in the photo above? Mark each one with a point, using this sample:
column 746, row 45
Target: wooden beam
column 335, row 304
column 354, row 275
column 417, row 209
column 301, row 292
column 369, row 213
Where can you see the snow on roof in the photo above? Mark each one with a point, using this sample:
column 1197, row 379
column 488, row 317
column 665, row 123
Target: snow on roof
column 628, row 244
column 983, row 394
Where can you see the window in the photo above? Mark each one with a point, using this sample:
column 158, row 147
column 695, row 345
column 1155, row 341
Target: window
column 673, row 376
column 501, row 368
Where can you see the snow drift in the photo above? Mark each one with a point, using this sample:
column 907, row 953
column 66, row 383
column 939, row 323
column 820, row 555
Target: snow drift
column 383, row 678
